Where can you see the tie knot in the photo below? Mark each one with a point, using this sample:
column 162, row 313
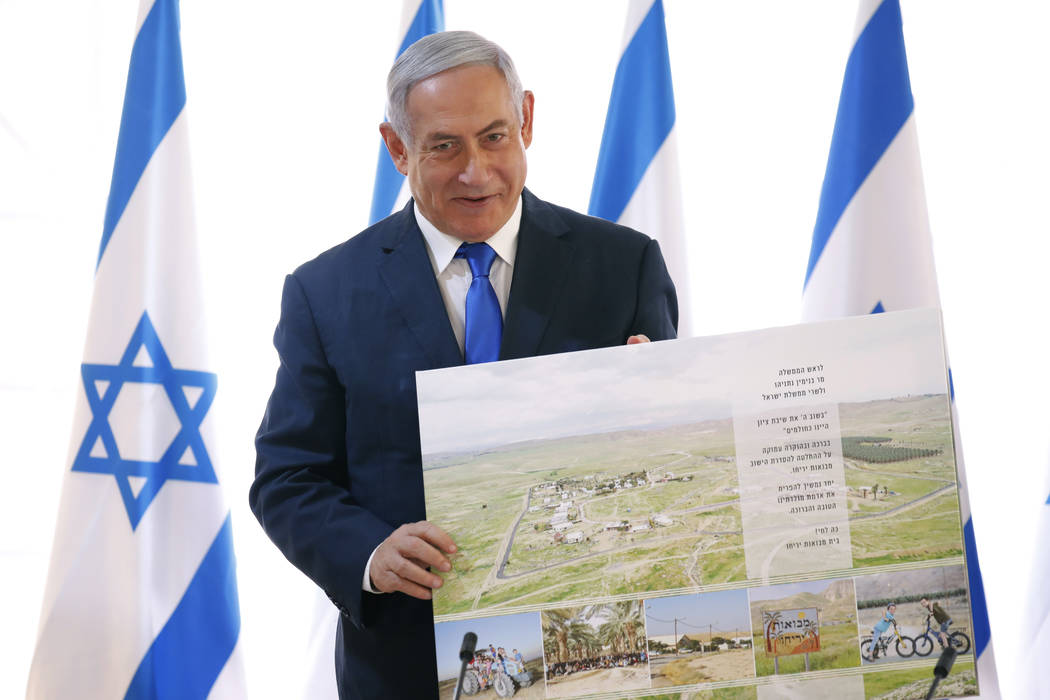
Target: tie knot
column 479, row 256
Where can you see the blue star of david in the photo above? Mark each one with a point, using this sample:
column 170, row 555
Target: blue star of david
column 102, row 384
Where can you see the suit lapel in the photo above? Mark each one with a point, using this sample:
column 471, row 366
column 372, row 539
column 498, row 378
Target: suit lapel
column 541, row 266
column 408, row 274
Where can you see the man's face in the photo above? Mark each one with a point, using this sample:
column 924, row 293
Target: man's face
column 466, row 160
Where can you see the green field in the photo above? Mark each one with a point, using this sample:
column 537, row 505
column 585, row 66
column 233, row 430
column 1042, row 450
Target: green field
column 930, row 531
column 640, row 510
column 918, row 518
column 913, row 683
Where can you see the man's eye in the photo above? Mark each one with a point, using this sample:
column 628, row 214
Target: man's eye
column 493, row 138
column 444, row 146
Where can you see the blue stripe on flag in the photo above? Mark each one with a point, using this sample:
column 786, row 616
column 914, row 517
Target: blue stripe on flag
column 429, row 19
column 197, row 640
column 982, row 630
column 387, row 185
column 641, row 115
column 155, row 94
column 875, row 102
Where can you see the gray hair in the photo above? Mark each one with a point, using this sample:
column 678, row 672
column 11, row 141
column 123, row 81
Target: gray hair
column 437, row 53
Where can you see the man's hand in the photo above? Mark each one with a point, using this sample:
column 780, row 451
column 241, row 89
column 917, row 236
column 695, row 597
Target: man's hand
column 635, row 339
column 400, row 561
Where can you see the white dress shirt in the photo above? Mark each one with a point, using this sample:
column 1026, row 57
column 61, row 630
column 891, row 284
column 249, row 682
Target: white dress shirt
column 453, row 274
column 454, row 278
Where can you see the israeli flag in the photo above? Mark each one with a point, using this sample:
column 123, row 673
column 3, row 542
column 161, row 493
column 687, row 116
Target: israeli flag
column 636, row 181
column 390, row 192
column 141, row 597
column 872, row 250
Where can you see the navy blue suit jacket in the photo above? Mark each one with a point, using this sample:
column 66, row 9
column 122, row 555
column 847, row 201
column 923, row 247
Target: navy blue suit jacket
column 339, row 465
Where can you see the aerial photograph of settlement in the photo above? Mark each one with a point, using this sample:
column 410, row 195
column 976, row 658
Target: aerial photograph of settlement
column 658, row 509
column 589, row 516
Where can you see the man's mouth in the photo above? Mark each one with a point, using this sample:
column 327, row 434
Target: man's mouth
column 475, row 201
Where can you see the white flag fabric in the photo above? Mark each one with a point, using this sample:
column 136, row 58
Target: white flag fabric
column 1036, row 646
column 871, row 249
column 390, row 192
column 636, row 181
column 141, row 597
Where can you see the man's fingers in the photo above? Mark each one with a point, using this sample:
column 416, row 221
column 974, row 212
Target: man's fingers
column 418, row 550
column 416, row 591
column 400, row 562
column 640, row 338
column 432, row 534
column 410, row 571
column 422, row 541
column 391, row 583
column 393, row 572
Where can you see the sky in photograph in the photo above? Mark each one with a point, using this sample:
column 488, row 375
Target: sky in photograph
column 521, row 632
column 786, row 590
column 725, row 611
column 652, row 385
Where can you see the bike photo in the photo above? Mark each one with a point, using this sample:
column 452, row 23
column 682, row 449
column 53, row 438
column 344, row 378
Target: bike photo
column 912, row 614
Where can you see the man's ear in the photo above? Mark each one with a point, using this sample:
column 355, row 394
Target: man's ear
column 527, row 103
column 396, row 147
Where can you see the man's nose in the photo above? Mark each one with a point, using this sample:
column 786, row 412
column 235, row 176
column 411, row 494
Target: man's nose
column 475, row 168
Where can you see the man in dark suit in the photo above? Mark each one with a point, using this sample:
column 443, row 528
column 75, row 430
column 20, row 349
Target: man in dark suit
column 338, row 482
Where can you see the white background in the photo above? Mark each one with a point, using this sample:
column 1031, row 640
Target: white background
column 284, row 101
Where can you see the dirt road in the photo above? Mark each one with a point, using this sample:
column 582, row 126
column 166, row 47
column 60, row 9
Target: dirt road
column 599, row 681
column 702, row 668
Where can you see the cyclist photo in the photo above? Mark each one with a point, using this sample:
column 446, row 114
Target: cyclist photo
column 941, row 617
column 881, row 626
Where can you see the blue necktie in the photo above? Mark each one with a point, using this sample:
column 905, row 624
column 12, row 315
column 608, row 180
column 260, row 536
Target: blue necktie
column 484, row 322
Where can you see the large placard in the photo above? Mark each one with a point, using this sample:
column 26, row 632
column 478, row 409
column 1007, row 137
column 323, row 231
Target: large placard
column 628, row 519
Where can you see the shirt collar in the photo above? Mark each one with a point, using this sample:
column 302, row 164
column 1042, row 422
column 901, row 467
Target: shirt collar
column 442, row 247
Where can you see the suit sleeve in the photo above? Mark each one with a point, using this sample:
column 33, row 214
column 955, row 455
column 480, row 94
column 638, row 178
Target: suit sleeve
column 300, row 494
column 656, row 314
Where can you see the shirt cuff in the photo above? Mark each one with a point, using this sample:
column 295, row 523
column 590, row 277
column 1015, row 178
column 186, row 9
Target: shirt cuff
column 366, row 582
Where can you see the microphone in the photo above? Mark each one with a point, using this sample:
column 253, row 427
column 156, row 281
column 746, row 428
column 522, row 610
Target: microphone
column 466, row 653
column 466, row 650
column 940, row 671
